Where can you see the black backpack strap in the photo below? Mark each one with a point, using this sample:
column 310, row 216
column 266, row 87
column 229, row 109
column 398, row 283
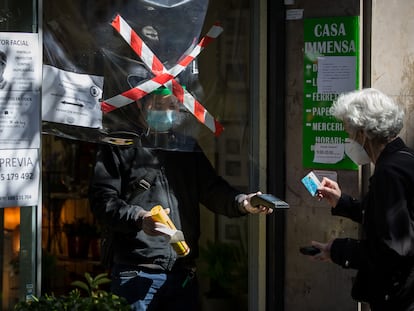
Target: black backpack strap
column 140, row 185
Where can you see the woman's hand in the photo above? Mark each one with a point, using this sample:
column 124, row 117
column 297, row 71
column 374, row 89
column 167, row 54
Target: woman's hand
column 330, row 191
column 325, row 254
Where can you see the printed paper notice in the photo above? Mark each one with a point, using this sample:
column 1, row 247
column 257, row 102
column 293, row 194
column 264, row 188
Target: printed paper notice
column 19, row 177
column 336, row 74
column 328, row 153
column 19, row 62
column 71, row 98
column 19, row 90
column 19, row 120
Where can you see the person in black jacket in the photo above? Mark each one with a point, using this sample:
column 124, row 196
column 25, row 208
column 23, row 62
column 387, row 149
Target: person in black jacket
column 384, row 257
column 167, row 169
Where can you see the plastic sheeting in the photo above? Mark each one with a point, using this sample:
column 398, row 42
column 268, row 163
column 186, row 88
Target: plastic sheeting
column 86, row 61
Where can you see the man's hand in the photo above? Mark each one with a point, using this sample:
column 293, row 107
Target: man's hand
column 151, row 227
column 246, row 206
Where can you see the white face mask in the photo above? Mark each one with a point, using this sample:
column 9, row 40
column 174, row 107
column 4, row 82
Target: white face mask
column 356, row 152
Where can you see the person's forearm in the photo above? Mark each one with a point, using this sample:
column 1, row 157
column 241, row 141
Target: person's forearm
column 347, row 253
column 348, row 207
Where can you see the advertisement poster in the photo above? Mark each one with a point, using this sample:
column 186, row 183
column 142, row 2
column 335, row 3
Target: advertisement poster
column 19, row 177
column 19, row 58
column 19, row 91
column 331, row 67
column 20, row 78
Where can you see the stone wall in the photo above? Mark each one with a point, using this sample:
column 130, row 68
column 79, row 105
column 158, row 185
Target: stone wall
column 310, row 285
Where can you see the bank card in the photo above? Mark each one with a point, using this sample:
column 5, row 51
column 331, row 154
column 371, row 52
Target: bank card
column 311, row 183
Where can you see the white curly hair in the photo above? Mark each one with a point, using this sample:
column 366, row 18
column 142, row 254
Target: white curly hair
column 369, row 110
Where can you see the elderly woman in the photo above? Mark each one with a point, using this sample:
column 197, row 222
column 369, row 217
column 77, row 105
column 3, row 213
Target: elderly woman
column 384, row 258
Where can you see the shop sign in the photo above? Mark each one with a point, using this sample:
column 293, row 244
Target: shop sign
column 331, row 67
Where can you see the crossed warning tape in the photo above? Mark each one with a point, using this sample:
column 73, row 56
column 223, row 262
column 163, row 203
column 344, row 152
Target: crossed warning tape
column 163, row 77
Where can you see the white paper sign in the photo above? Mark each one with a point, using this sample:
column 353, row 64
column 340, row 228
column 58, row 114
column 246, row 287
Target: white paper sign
column 330, row 174
column 19, row 119
column 21, row 71
column 71, row 98
column 19, row 177
column 336, row 74
column 19, row 90
column 294, row 14
column 328, row 153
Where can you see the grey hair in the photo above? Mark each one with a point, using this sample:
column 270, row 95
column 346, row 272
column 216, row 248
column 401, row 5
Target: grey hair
column 371, row 111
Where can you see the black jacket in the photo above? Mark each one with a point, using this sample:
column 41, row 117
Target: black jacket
column 385, row 257
column 179, row 180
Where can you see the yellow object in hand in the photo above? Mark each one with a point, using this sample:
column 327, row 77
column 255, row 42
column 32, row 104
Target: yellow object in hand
column 158, row 214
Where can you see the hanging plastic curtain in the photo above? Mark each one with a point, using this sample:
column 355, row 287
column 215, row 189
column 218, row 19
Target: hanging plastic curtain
column 125, row 72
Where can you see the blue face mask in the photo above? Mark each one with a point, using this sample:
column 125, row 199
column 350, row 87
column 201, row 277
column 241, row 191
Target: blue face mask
column 161, row 120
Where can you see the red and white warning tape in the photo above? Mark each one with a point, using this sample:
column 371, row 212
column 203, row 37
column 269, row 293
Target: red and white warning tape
column 162, row 75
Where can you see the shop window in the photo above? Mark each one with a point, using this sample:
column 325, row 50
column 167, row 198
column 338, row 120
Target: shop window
column 73, row 43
